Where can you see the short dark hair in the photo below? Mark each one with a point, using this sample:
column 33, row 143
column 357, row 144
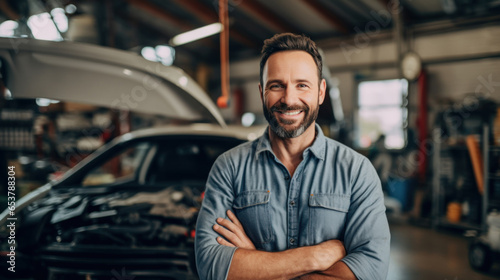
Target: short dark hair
column 290, row 42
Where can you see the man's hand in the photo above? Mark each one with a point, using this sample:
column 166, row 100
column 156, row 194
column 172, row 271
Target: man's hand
column 328, row 253
column 233, row 233
column 338, row 271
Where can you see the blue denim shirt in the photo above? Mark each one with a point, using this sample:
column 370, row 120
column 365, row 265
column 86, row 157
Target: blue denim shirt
column 334, row 193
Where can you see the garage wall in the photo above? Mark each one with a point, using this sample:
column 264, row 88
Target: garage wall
column 457, row 62
column 245, row 74
column 455, row 79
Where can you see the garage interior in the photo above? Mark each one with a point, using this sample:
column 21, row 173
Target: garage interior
column 412, row 85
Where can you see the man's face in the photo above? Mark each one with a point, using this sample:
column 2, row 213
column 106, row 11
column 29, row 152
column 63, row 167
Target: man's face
column 291, row 92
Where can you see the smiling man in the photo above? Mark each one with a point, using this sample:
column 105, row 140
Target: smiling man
column 292, row 203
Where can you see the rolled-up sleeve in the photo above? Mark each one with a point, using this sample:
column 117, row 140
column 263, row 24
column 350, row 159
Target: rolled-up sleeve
column 212, row 259
column 367, row 236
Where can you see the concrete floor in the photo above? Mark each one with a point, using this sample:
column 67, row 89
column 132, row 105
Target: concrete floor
column 422, row 253
column 419, row 253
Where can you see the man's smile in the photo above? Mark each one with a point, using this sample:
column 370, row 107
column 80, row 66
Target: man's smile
column 291, row 113
column 289, row 116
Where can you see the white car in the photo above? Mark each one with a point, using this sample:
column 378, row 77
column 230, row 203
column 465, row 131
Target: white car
column 128, row 211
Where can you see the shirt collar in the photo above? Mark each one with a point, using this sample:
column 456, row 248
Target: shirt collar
column 317, row 148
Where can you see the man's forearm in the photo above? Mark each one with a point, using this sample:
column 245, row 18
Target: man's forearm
column 254, row 264
column 338, row 271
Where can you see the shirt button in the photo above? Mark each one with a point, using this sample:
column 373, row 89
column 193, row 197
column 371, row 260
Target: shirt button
column 287, row 177
column 292, row 240
column 292, row 203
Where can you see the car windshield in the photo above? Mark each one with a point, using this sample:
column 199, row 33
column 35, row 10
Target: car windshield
column 159, row 161
column 186, row 159
column 119, row 168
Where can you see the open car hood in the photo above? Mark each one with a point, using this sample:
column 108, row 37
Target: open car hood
column 104, row 77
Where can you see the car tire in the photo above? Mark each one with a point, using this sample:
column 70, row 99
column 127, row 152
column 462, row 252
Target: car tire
column 480, row 256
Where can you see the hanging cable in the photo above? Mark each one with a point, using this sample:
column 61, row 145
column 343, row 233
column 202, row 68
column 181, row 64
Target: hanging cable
column 223, row 100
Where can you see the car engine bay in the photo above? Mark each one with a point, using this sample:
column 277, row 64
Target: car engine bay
column 68, row 228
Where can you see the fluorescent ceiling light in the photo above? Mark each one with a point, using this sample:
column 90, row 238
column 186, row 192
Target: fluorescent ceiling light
column 8, row 28
column 60, row 18
column 44, row 102
column 165, row 54
column 70, row 9
column 7, row 94
column 43, row 27
column 149, row 53
column 247, row 119
column 196, row 34
column 162, row 53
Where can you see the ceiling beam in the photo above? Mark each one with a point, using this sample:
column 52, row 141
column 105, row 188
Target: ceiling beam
column 141, row 23
column 243, row 39
column 8, row 11
column 406, row 9
column 199, row 9
column 208, row 15
column 160, row 13
column 265, row 15
column 328, row 15
column 168, row 17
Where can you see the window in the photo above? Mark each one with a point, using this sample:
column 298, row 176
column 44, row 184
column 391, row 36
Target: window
column 187, row 159
column 121, row 167
column 382, row 110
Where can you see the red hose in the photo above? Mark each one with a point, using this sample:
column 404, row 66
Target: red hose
column 223, row 100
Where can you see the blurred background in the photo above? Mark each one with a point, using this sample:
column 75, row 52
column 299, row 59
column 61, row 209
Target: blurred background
column 412, row 85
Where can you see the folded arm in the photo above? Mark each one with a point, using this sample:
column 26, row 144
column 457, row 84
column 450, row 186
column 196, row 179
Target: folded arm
column 338, row 271
column 249, row 263
column 367, row 236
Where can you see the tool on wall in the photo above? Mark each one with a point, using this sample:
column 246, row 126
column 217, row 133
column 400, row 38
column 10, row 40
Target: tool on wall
column 477, row 161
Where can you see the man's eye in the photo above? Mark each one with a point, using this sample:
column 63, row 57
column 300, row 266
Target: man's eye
column 275, row 86
column 303, row 86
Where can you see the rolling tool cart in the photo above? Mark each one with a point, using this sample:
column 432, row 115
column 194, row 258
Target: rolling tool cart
column 486, row 248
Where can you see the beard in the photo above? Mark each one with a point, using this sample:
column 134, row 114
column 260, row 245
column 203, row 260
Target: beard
column 279, row 129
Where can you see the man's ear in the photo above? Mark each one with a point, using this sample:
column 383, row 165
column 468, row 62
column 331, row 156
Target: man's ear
column 261, row 93
column 322, row 91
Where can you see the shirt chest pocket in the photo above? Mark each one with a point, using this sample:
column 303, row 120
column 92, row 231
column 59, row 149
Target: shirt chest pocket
column 327, row 216
column 252, row 209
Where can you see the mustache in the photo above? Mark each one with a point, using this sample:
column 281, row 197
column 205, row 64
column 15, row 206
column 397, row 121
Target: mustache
column 283, row 107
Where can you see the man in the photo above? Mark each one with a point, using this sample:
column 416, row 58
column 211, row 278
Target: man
column 296, row 204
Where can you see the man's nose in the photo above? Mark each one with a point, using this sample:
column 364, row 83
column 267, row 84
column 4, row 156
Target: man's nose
column 289, row 96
